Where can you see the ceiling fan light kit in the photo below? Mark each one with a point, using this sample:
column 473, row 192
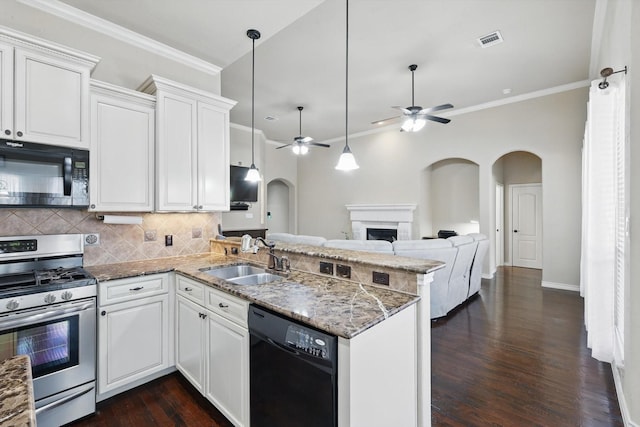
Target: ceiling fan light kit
column 415, row 117
column 347, row 161
column 253, row 175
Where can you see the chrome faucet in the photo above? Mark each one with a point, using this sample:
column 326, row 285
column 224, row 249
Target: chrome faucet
column 275, row 263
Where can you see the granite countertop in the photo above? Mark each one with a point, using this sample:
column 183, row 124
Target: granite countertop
column 341, row 307
column 17, row 406
column 416, row 265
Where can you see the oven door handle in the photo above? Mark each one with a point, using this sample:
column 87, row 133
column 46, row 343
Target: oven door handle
column 55, row 404
column 43, row 314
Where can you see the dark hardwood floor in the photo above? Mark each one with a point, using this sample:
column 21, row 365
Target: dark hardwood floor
column 515, row 355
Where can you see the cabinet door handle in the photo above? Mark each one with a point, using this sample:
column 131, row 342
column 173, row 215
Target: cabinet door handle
column 202, row 315
column 7, row 132
column 221, row 305
column 19, row 133
column 137, row 288
column 199, row 206
column 188, row 289
column 103, row 313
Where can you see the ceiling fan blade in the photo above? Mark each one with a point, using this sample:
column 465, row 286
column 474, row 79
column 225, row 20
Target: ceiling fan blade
column 435, row 118
column 318, row 144
column 404, row 110
column 305, row 139
column 377, row 122
column 436, row 108
column 282, row 146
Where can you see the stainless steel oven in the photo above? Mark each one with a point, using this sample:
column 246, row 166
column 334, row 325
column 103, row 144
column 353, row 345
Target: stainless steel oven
column 48, row 312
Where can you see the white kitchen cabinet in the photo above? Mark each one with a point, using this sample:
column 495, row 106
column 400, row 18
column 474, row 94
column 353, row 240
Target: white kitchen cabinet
column 191, row 341
column 192, row 147
column 122, row 149
column 214, row 324
column 135, row 331
column 45, row 91
column 227, row 383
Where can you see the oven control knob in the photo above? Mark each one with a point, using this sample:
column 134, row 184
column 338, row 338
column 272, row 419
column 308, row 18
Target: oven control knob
column 13, row 304
column 66, row 295
column 50, row 298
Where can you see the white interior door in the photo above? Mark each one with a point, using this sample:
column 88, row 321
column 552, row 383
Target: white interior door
column 499, row 225
column 526, row 225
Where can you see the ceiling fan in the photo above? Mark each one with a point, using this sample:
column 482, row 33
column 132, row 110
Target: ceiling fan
column 415, row 117
column 300, row 144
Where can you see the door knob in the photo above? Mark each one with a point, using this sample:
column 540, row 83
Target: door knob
column 515, row 231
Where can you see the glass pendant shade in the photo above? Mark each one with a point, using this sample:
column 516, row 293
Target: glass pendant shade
column 253, row 175
column 413, row 124
column 300, row 149
column 347, row 162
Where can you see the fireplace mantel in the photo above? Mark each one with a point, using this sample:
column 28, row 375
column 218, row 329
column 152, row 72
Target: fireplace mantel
column 392, row 216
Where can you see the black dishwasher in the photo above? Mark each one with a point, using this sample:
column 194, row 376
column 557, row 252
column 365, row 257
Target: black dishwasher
column 293, row 374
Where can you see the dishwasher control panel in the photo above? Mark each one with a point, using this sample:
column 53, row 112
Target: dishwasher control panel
column 307, row 341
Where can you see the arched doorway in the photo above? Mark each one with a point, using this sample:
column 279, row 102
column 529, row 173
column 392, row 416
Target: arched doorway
column 519, row 175
column 280, row 207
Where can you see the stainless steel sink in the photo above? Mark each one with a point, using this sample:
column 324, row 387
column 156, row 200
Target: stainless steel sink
column 255, row 279
column 233, row 271
column 242, row 274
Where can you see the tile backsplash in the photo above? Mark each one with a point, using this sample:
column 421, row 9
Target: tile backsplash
column 118, row 243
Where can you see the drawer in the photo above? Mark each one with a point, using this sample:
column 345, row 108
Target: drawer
column 114, row 291
column 228, row 306
column 190, row 289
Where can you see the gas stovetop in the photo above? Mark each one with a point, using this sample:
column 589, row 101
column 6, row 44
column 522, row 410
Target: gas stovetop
column 42, row 270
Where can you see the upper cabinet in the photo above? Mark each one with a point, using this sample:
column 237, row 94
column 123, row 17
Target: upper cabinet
column 122, row 149
column 44, row 91
column 192, row 147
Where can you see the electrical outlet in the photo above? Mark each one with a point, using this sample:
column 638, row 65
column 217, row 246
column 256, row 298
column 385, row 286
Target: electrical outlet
column 168, row 240
column 380, row 278
column 92, row 239
column 326, row 268
column 343, row 271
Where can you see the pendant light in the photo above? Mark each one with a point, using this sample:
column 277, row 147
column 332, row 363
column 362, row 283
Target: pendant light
column 347, row 161
column 253, row 175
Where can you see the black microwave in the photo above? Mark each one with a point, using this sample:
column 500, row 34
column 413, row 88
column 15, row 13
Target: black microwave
column 39, row 175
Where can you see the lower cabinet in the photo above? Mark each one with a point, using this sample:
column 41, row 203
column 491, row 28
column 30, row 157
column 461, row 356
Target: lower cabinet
column 135, row 334
column 212, row 346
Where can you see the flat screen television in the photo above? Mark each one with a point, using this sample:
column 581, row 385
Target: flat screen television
column 241, row 190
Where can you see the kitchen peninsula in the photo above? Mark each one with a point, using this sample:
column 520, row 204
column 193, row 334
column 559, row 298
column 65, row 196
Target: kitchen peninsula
column 381, row 344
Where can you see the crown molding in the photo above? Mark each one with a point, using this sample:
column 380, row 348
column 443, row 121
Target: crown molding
column 77, row 16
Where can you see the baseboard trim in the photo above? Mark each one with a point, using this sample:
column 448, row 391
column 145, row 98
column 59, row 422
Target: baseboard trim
column 561, row 286
column 624, row 410
column 488, row 276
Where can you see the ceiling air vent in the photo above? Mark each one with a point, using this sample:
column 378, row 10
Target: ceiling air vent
column 490, row 39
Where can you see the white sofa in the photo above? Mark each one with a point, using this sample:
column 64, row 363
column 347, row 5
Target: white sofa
column 440, row 250
column 453, row 284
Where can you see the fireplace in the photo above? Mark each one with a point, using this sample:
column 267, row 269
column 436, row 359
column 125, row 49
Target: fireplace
column 396, row 220
column 388, row 234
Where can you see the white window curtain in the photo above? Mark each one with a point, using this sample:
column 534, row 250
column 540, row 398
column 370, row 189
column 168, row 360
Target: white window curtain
column 598, row 269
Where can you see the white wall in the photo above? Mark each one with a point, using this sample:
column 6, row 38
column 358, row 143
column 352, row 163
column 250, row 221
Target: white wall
column 392, row 171
column 121, row 63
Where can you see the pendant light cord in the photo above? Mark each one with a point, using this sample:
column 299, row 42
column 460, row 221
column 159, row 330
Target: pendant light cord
column 253, row 95
column 346, row 81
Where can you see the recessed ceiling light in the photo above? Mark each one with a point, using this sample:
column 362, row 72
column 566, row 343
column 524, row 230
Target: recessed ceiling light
column 506, row 91
column 271, row 118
